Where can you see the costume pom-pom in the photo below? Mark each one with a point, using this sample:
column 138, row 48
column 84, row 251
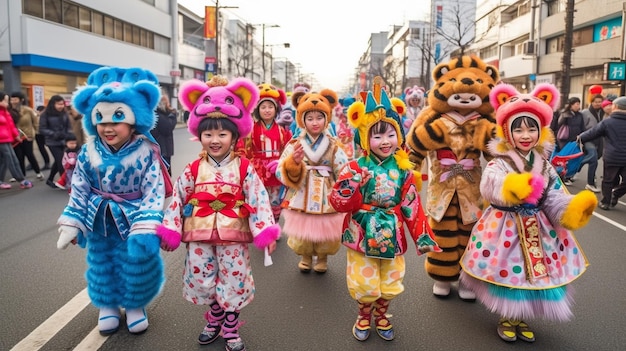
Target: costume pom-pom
column 579, row 210
column 536, row 183
column 267, row 236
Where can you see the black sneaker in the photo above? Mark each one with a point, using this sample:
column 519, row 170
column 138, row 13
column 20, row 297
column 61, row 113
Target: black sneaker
column 604, row 206
column 51, row 184
column 614, row 199
column 209, row 334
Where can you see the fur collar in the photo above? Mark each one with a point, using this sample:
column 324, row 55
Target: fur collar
column 315, row 156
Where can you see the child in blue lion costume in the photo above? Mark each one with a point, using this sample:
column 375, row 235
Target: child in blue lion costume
column 118, row 195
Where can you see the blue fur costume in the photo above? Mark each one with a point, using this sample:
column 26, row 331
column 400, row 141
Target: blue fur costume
column 117, row 196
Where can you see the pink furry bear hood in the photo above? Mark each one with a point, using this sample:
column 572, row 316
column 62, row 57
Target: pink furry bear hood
column 219, row 98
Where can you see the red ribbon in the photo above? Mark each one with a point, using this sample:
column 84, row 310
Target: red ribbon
column 225, row 204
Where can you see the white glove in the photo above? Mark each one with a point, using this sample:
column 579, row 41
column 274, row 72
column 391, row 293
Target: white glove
column 66, row 235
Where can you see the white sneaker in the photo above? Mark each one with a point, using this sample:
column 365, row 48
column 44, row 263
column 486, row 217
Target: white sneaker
column 39, row 176
column 466, row 294
column 592, row 188
column 12, row 180
column 441, row 289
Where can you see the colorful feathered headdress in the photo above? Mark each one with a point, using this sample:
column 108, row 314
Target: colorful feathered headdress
column 376, row 107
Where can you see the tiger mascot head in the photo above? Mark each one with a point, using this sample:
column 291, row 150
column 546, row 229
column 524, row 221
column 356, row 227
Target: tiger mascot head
column 463, row 85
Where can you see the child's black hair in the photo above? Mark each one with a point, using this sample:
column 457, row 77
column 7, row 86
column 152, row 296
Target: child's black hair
column 218, row 123
column 530, row 122
column 380, row 127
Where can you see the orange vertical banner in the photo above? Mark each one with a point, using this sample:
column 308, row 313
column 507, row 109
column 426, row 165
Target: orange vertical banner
column 210, row 27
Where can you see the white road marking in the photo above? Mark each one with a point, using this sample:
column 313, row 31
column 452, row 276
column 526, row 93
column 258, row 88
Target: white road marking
column 91, row 342
column 610, row 221
column 46, row 330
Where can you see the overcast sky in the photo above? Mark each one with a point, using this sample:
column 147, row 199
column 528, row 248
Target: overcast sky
column 327, row 37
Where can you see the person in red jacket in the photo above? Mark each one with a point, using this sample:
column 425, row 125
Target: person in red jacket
column 8, row 135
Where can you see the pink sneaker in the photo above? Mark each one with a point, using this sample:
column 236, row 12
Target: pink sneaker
column 5, row 186
column 26, row 184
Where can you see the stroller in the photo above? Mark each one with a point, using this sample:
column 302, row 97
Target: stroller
column 568, row 160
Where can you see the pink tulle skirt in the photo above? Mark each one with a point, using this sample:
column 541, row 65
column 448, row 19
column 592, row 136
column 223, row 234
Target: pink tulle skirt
column 314, row 228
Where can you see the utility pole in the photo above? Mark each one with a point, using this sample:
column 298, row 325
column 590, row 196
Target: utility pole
column 263, row 46
column 567, row 50
column 218, row 32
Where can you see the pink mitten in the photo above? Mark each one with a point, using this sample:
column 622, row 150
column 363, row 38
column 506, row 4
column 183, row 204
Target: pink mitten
column 170, row 239
column 271, row 167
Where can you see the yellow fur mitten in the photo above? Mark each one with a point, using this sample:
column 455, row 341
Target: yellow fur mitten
column 579, row 210
column 516, row 187
column 417, row 179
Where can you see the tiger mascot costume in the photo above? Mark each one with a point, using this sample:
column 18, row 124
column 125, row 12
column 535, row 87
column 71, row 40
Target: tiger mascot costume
column 452, row 132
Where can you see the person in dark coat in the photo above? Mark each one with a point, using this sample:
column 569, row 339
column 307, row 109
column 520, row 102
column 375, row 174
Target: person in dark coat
column 613, row 130
column 573, row 119
column 54, row 125
column 163, row 131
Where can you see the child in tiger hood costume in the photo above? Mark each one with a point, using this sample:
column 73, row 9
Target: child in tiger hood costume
column 453, row 132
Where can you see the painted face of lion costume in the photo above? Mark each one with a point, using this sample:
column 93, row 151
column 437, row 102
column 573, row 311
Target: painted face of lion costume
column 452, row 132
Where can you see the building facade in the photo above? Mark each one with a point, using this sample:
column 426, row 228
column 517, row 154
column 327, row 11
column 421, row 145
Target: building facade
column 50, row 47
column 525, row 38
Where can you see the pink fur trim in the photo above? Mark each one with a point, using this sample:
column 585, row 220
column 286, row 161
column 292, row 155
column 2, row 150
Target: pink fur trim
column 536, row 183
column 500, row 94
column 267, row 236
column 170, row 239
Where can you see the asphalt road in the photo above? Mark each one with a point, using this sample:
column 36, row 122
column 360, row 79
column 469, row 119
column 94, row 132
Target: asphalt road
column 43, row 303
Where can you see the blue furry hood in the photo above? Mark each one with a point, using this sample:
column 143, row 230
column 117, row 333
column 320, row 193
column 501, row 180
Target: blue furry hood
column 135, row 87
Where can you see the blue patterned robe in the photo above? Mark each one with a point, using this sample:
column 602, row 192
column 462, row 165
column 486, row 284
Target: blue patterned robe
column 116, row 201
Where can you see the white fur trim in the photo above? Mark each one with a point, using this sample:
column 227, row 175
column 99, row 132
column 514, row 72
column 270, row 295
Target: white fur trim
column 315, row 156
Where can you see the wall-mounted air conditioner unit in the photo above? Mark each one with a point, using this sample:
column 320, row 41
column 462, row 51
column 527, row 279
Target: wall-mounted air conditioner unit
column 529, row 47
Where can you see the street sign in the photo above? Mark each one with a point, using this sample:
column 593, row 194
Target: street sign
column 210, row 59
column 175, row 73
column 614, row 71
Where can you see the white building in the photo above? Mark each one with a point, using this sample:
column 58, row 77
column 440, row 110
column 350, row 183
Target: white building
column 525, row 39
column 49, row 47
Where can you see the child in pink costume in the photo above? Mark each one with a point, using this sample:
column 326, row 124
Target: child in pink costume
column 219, row 206
column 521, row 255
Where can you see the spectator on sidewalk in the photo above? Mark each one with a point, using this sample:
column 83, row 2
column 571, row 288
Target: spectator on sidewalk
column 27, row 119
column 613, row 130
column 571, row 117
column 55, row 125
column 163, row 130
column 593, row 149
column 9, row 135
column 607, row 107
column 41, row 140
